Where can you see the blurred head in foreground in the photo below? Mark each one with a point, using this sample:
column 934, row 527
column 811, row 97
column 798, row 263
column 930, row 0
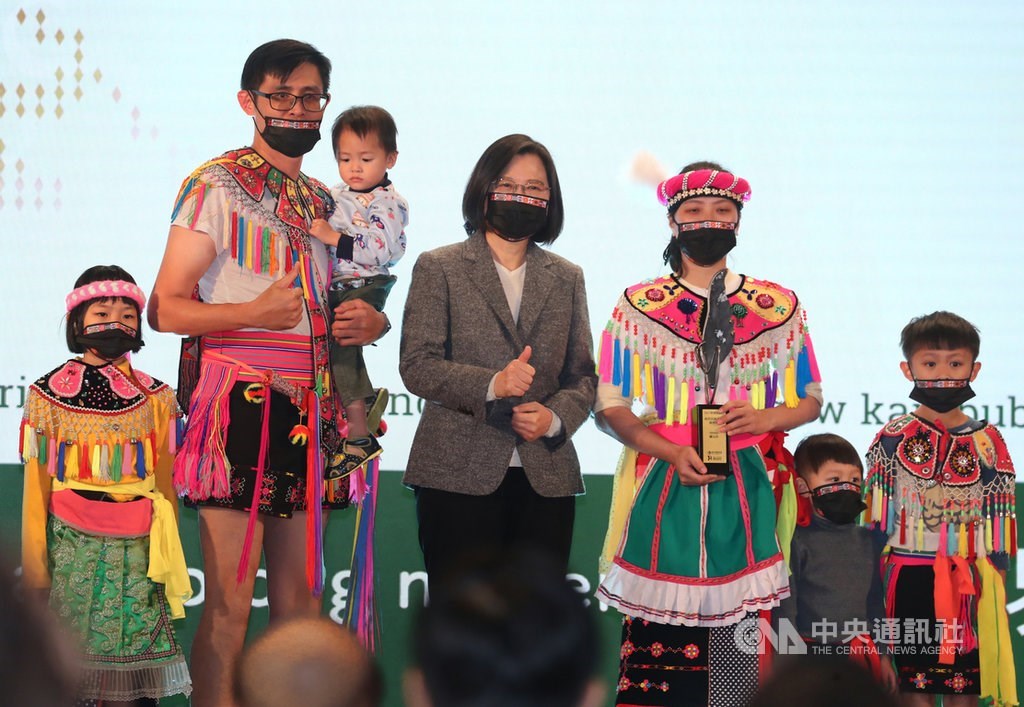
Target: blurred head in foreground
column 309, row 662
column 507, row 632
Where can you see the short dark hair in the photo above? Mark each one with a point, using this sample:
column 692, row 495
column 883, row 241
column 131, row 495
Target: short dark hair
column 491, row 165
column 812, row 679
column 366, row 120
column 97, row 273
column 819, row 449
column 506, row 632
column 940, row 330
column 280, row 58
column 673, row 254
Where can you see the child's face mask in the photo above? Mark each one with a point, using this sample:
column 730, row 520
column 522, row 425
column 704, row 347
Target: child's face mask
column 840, row 502
column 942, row 394
column 110, row 340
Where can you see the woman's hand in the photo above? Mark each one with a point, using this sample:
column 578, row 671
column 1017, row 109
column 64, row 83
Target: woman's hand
column 531, row 421
column 740, row 417
column 691, row 470
column 516, row 378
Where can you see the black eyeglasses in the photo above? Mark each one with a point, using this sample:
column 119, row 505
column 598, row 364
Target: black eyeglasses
column 279, row 100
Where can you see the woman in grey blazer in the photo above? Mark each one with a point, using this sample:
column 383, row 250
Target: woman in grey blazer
column 496, row 339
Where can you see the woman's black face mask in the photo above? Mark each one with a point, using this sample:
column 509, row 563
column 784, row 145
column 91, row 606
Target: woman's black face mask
column 707, row 242
column 515, row 217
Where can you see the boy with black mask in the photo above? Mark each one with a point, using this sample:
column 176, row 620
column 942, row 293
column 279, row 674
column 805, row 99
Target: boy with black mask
column 941, row 486
column 836, row 597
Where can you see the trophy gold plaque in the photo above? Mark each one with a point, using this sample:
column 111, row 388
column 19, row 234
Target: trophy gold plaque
column 712, row 443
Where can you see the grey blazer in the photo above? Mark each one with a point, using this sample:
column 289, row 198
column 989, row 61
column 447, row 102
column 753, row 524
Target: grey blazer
column 458, row 332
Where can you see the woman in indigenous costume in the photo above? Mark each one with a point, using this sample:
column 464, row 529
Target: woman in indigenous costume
column 692, row 549
column 99, row 531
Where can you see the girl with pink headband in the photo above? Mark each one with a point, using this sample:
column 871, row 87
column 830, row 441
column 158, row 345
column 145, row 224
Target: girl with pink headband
column 692, row 551
column 99, row 533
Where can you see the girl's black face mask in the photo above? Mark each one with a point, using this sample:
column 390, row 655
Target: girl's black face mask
column 840, row 502
column 110, row 340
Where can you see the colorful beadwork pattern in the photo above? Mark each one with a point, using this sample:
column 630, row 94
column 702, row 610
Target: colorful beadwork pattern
column 272, row 243
column 94, row 423
column 932, row 480
column 772, row 358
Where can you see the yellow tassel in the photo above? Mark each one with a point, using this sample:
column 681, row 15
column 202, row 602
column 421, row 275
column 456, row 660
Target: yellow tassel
column 790, row 395
column 302, row 277
column 988, row 534
column 876, row 504
column 94, row 458
column 760, row 395
column 637, row 393
column 71, row 462
column 919, row 536
column 998, row 677
column 648, row 384
column 248, row 245
column 684, row 404
column 147, row 447
column 785, row 523
column 623, row 490
column 670, row 406
column 961, row 540
column 30, row 449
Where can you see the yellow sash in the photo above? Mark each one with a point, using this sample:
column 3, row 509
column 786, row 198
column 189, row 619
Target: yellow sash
column 166, row 558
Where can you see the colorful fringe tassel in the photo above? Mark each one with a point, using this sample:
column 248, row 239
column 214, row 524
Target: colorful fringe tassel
column 254, row 508
column 361, row 613
column 314, row 499
column 201, row 468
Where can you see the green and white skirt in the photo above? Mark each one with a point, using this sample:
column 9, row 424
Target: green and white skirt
column 120, row 617
column 699, row 555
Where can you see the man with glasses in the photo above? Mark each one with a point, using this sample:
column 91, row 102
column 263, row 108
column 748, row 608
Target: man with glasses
column 243, row 279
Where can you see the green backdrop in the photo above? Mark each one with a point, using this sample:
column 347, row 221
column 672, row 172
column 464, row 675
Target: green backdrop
column 401, row 579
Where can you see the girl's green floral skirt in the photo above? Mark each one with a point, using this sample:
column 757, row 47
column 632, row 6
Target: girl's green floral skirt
column 119, row 616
